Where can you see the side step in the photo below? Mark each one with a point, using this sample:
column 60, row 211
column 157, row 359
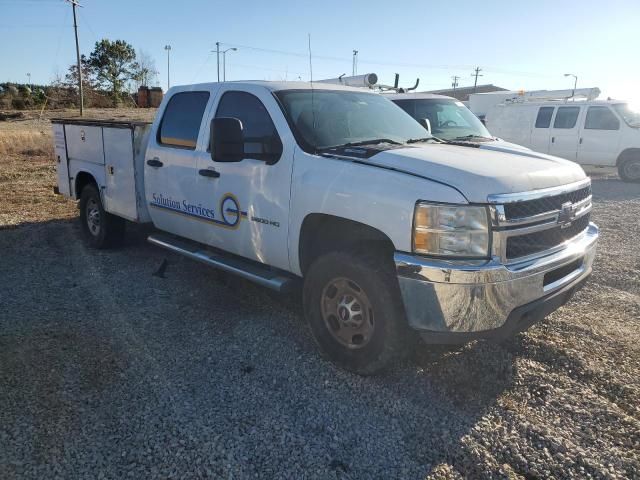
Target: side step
column 246, row 269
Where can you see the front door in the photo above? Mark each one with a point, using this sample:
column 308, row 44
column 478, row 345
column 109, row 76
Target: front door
column 251, row 197
column 540, row 138
column 564, row 134
column 600, row 137
column 171, row 162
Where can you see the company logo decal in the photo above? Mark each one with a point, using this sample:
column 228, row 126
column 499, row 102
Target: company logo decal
column 82, row 135
column 228, row 216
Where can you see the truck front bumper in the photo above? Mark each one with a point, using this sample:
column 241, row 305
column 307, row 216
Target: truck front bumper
column 457, row 301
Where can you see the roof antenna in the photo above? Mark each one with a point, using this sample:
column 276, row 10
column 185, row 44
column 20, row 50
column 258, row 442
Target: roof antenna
column 313, row 108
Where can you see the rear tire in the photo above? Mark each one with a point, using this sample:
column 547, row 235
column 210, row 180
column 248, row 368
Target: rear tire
column 100, row 229
column 353, row 307
column 629, row 169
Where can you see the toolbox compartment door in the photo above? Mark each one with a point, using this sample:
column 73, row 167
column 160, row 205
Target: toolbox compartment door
column 62, row 162
column 120, row 192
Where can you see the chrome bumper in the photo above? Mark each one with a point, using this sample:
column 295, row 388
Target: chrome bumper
column 467, row 296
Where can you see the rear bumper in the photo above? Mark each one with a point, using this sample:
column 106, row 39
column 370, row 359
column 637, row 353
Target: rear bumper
column 458, row 301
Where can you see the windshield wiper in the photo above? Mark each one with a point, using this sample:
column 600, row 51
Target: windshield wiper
column 424, row 139
column 373, row 141
column 469, row 137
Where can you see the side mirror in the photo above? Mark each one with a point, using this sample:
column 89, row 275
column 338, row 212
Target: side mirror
column 226, row 140
column 425, row 123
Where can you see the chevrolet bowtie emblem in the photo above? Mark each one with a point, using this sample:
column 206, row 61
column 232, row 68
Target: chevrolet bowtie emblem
column 567, row 215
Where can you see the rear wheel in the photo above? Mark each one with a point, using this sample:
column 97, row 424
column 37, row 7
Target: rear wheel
column 354, row 311
column 101, row 229
column 629, row 169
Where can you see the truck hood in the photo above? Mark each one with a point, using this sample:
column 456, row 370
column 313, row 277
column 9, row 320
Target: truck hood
column 480, row 172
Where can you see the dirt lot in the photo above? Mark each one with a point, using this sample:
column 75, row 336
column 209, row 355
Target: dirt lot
column 107, row 371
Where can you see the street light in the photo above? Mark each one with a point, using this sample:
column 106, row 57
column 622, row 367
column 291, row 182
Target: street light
column 224, row 62
column 575, row 83
column 168, row 49
column 29, row 77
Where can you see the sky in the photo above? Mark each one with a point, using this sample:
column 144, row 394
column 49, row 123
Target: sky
column 526, row 45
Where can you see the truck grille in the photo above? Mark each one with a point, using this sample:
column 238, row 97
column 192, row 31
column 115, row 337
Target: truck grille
column 531, row 243
column 530, row 208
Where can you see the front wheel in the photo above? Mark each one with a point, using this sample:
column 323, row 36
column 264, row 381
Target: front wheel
column 100, row 228
column 354, row 311
column 629, row 169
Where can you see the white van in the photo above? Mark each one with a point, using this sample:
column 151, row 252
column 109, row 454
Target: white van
column 599, row 133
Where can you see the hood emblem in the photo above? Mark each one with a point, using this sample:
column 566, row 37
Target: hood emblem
column 567, row 215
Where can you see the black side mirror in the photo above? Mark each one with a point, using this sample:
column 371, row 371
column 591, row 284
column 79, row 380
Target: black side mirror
column 226, row 140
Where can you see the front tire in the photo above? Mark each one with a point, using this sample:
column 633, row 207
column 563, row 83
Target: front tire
column 629, row 169
column 100, row 228
column 353, row 307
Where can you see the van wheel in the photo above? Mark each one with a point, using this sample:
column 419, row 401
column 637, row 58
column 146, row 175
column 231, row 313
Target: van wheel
column 629, row 169
column 101, row 229
column 354, row 311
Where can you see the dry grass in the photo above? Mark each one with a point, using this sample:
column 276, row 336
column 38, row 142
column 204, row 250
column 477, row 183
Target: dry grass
column 27, row 166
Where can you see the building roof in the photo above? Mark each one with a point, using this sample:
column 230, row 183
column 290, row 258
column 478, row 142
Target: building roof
column 462, row 93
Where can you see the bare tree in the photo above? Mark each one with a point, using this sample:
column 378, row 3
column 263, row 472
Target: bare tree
column 145, row 71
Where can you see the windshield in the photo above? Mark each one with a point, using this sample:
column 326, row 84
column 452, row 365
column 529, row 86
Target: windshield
column 449, row 119
column 346, row 117
column 631, row 117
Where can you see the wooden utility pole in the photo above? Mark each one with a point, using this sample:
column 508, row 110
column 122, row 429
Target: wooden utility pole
column 476, row 74
column 74, row 4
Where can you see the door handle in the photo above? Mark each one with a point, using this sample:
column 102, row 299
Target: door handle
column 553, row 139
column 155, row 162
column 205, row 172
column 580, row 140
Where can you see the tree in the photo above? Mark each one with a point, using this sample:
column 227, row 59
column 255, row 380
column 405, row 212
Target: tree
column 113, row 64
column 145, row 72
column 88, row 80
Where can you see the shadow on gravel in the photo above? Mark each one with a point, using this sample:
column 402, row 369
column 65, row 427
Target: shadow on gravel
column 106, row 368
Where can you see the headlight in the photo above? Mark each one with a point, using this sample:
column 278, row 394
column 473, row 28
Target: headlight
column 451, row 230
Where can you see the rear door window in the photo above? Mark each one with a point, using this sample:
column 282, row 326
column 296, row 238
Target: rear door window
column 566, row 117
column 182, row 119
column 260, row 134
column 544, row 117
column 601, row 118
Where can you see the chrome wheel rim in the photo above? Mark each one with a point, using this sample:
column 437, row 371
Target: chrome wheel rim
column 93, row 217
column 632, row 169
column 347, row 313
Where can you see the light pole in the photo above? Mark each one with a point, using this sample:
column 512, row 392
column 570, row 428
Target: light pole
column 575, row 83
column 168, row 49
column 224, row 62
column 218, row 59
column 29, row 77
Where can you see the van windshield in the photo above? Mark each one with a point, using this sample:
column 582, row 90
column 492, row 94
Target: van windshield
column 346, row 117
column 448, row 119
column 629, row 115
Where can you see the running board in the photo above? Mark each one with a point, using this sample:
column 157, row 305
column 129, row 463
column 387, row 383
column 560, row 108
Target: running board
column 246, row 269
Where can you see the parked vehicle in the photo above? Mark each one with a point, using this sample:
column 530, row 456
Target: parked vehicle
column 448, row 118
column 339, row 189
column 604, row 133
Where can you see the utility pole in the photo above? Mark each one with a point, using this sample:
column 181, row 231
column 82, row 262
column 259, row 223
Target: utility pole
column 354, row 65
column 74, row 4
column 29, row 77
column 476, row 74
column 168, row 49
column 454, row 84
column 218, row 58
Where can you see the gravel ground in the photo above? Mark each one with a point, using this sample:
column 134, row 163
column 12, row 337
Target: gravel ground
column 107, row 371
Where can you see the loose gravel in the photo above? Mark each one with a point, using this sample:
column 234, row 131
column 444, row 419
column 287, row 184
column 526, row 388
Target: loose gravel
column 109, row 371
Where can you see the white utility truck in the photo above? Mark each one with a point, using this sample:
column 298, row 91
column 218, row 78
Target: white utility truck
column 601, row 133
column 388, row 229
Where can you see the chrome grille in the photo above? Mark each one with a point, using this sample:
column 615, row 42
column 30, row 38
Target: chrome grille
column 530, row 208
column 528, row 244
column 532, row 224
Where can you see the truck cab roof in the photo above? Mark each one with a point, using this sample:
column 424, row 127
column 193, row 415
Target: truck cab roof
column 274, row 86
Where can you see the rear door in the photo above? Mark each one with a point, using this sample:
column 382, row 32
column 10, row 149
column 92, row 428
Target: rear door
column 600, row 137
column 540, row 137
column 170, row 164
column 565, row 133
